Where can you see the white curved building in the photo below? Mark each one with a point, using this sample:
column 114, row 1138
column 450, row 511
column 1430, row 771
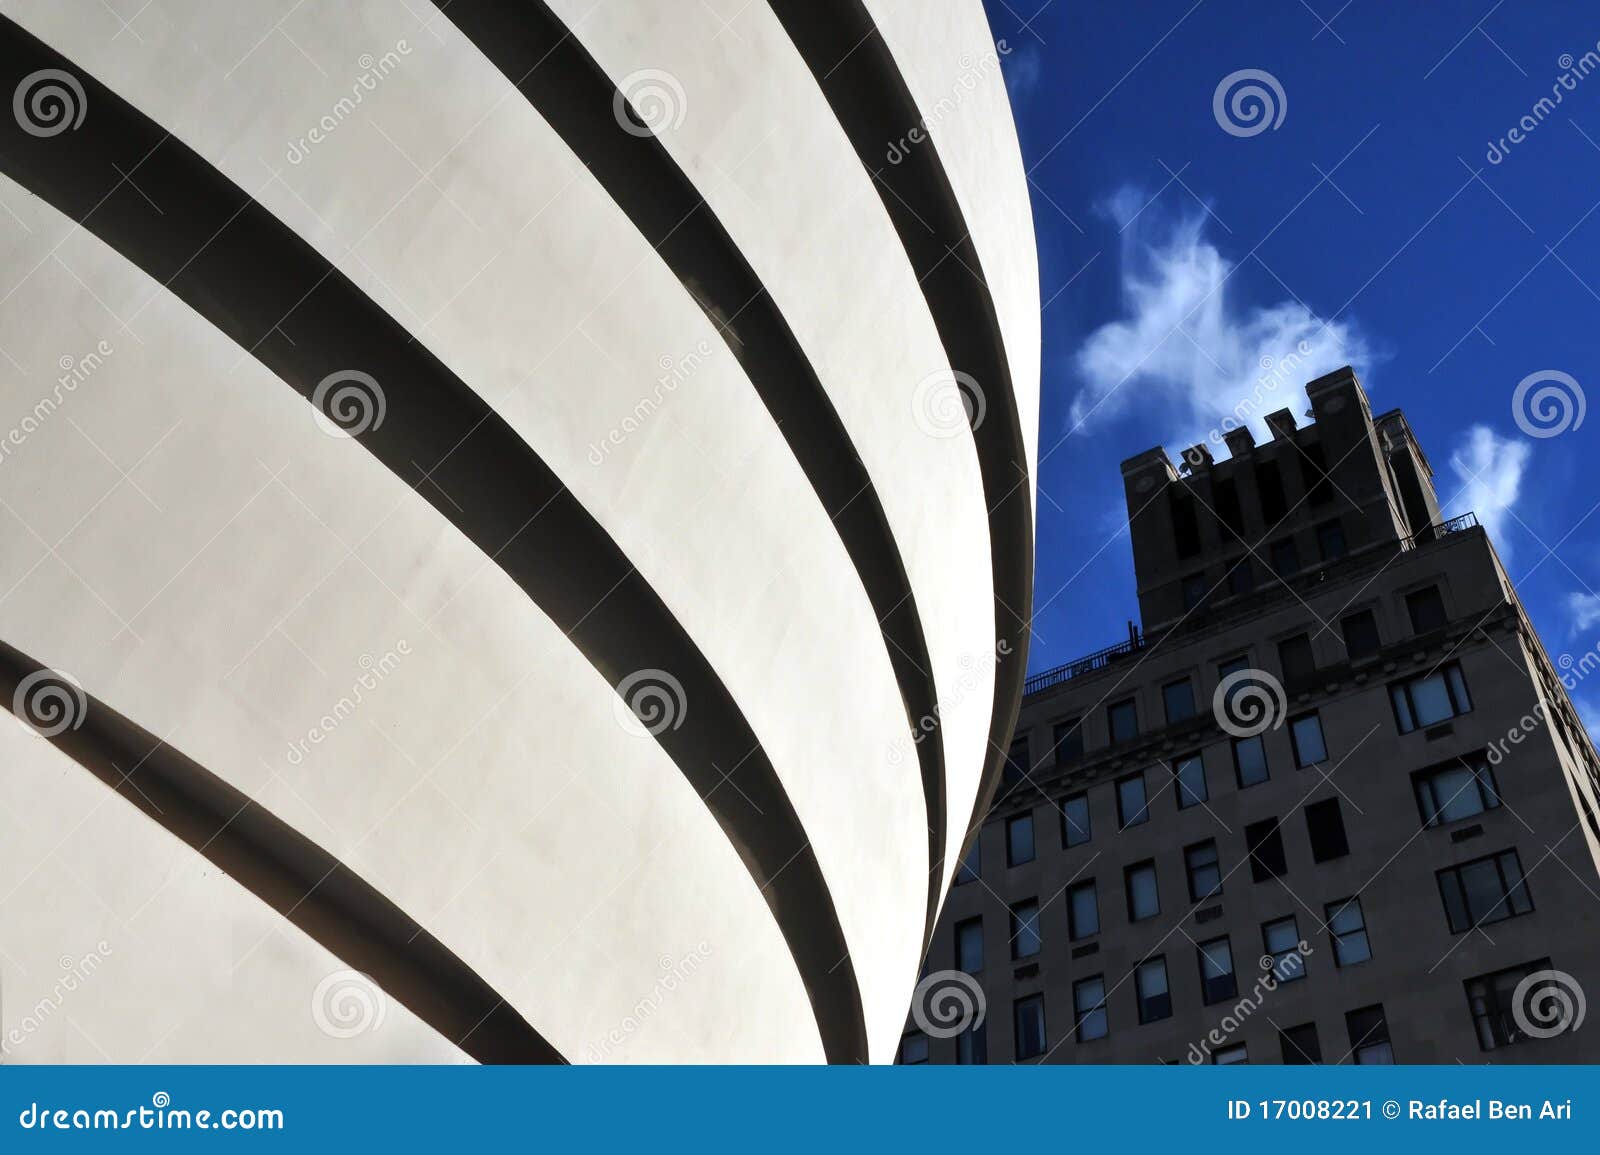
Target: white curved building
column 519, row 522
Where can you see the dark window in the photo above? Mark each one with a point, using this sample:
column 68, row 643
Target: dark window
column 1216, row 971
column 914, row 1050
column 1144, row 895
column 1300, row 1045
column 1016, row 762
column 1025, row 928
column 1019, row 839
column 972, row 865
column 1485, row 890
column 1285, row 557
column 1241, row 578
column 1178, row 698
column 1281, row 937
column 1314, row 465
column 1269, row 484
column 1431, row 698
column 1228, row 669
column 1295, row 658
column 1492, row 1000
column 1185, row 525
column 1330, row 540
column 1189, row 779
column 1122, row 720
column 1226, row 495
column 1028, row 1017
column 1325, row 829
column 1195, row 589
column 1089, row 1009
column 1068, row 740
column 1083, row 911
column 1426, row 609
column 1205, row 871
column 1131, row 805
column 1249, row 760
column 1360, row 634
column 1347, row 928
column 1237, row 1054
column 972, row 1045
column 1265, row 843
column 969, row 945
column 1305, row 734
column 1075, row 820
column 1150, row 984
column 1455, row 791
column 1369, row 1035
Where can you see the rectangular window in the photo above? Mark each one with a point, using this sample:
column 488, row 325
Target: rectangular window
column 1150, row 983
column 1282, row 939
column 1249, row 761
column 1144, row 896
column 1239, row 1053
column 1483, row 891
column 1025, row 928
column 1083, row 911
column 1426, row 609
column 1300, row 1046
column 969, row 945
column 1241, row 578
column 1225, row 493
column 914, row 1049
column 1269, row 485
column 1122, row 720
column 1016, row 763
column 1075, row 830
column 1216, row 971
column 1068, row 740
column 1459, row 790
column 1325, row 830
column 1195, row 588
column 1189, row 780
column 1491, row 999
column 1295, row 658
column 1028, row 1018
column 1265, row 843
column 1019, row 839
column 1178, row 698
column 972, row 1045
column 1369, row 1035
column 1432, row 698
column 1132, row 808
column 972, row 865
column 1347, row 928
column 1205, row 871
column 1089, row 1007
column 1360, row 635
column 1185, row 523
column 1314, row 466
column 1285, row 557
column 1330, row 540
column 1305, row 734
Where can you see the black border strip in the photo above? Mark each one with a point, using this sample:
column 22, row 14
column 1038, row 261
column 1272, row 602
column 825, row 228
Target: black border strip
column 293, row 875
column 858, row 74
column 273, row 294
column 531, row 46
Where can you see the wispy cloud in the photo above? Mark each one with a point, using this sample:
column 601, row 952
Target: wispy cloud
column 1585, row 610
column 1022, row 67
column 1186, row 354
column 1488, row 469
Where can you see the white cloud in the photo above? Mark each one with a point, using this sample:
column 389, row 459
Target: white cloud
column 1585, row 610
column 1489, row 469
column 1186, row 356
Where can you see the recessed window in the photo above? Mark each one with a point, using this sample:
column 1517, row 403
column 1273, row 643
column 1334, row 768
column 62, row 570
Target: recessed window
column 1426, row 609
column 914, row 1050
column 1265, row 844
column 1016, row 762
column 1225, row 495
column 1285, row 557
column 1238, row 1053
column 1132, row 807
column 1241, row 578
column 1491, row 999
column 1185, row 523
column 1204, row 869
column 1178, row 699
column 1281, row 937
column 1305, row 733
column 1369, row 1035
column 1216, row 971
column 1314, row 466
column 1083, row 911
column 1122, row 720
column 1295, row 658
column 1429, row 699
column 1269, row 486
column 1300, row 1045
column 1330, row 540
column 971, row 868
column 1144, row 896
column 1019, row 839
column 972, row 1045
column 1025, row 928
column 1455, row 791
column 1075, row 829
column 1089, row 1007
column 1360, row 635
column 1189, row 780
column 1068, row 740
column 1195, row 588
column 1483, row 891
column 1325, row 830
column 969, row 945
column 1249, row 761
column 1028, row 1018
column 1150, row 984
column 1347, row 929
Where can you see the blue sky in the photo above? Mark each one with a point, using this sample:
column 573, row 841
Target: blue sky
column 1370, row 223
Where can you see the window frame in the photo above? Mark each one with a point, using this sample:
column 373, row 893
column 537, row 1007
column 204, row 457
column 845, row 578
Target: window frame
column 1215, row 864
column 1180, row 787
column 1238, row 767
column 1403, row 704
column 1411, row 615
column 1336, row 938
column 1368, row 616
column 1498, row 858
column 970, row 868
column 927, row 1049
column 1130, row 703
column 1323, row 530
column 1207, row 996
column 1081, row 1018
column 1141, row 1000
column 1016, row 925
column 1358, row 1050
column 969, row 924
column 1278, row 956
column 1017, row 822
column 1314, row 716
column 1484, row 784
column 1018, row 1006
column 1325, row 806
column 1076, row 933
column 1187, row 683
column 1068, row 841
column 1128, row 873
column 1143, row 816
column 1067, row 740
column 1261, row 870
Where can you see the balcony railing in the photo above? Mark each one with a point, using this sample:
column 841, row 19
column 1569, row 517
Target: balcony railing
column 1098, row 660
column 1434, row 532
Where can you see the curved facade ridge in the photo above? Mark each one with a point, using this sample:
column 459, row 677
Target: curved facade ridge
column 511, row 555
